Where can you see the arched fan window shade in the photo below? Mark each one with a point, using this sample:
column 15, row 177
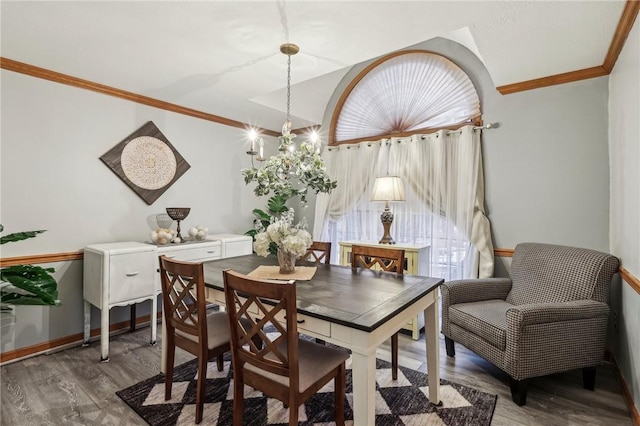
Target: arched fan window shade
column 402, row 93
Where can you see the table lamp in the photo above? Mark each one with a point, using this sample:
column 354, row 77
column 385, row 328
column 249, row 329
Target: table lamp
column 387, row 188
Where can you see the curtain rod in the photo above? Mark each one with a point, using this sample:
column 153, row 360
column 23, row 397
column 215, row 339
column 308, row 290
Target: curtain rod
column 485, row 127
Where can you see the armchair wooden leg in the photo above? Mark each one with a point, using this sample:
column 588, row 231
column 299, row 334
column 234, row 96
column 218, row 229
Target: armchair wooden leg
column 589, row 378
column 518, row 391
column 448, row 343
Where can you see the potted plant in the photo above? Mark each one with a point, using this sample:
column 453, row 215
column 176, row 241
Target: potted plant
column 26, row 284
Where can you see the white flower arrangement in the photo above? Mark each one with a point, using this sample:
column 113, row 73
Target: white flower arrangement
column 284, row 234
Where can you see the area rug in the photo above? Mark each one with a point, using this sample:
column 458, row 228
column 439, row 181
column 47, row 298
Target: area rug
column 398, row 402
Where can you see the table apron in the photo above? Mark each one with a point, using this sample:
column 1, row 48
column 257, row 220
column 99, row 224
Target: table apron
column 359, row 341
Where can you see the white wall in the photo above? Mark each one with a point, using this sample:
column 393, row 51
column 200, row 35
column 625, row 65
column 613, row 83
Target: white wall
column 52, row 178
column 624, row 148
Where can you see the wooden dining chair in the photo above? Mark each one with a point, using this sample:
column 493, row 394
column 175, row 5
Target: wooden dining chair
column 188, row 325
column 318, row 252
column 387, row 259
column 284, row 367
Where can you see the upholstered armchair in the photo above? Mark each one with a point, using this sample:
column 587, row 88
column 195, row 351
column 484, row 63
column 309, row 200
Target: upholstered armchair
column 549, row 316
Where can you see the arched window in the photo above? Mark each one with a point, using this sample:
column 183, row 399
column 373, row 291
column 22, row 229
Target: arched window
column 397, row 118
column 401, row 94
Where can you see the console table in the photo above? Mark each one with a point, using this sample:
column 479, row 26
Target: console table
column 417, row 259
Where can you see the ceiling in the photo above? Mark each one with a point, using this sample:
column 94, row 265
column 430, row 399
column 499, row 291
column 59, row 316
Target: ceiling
column 223, row 58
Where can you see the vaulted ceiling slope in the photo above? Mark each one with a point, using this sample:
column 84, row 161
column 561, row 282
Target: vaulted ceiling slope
column 223, row 58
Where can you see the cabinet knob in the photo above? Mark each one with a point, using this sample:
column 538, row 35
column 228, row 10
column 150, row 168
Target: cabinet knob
column 132, row 274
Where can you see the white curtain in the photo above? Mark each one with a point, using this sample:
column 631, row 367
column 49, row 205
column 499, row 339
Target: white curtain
column 444, row 188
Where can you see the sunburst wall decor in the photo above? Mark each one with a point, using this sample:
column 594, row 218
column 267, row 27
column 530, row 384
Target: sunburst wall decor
column 147, row 162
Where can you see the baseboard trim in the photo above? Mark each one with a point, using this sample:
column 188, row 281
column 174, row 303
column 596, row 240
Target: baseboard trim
column 68, row 341
column 626, row 393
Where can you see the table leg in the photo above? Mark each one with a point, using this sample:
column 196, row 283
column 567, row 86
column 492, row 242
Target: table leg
column 431, row 336
column 363, row 369
column 133, row 316
column 153, row 317
column 104, row 334
column 87, row 323
column 163, row 347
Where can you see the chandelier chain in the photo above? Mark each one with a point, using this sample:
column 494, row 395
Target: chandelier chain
column 288, row 86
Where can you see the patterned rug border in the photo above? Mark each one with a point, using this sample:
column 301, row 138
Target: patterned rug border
column 397, row 404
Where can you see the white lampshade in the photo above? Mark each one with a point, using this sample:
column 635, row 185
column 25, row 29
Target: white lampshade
column 388, row 188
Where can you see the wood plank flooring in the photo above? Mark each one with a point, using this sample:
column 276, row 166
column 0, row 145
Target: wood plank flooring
column 73, row 387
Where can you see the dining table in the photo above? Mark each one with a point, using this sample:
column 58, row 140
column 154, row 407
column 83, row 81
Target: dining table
column 356, row 309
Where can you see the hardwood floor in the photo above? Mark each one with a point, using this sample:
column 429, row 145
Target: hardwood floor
column 74, row 387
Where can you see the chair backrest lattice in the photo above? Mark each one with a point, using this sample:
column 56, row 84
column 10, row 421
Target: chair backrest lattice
column 183, row 296
column 254, row 304
column 387, row 259
column 318, row 252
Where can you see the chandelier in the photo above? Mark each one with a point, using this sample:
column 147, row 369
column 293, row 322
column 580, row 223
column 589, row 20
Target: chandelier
column 296, row 168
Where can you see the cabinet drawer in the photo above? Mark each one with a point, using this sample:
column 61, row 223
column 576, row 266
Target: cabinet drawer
column 131, row 276
column 194, row 254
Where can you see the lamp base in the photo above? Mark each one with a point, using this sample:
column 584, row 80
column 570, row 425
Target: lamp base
column 387, row 219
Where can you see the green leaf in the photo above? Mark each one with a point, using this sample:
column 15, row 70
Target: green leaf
column 34, row 280
column 19, row 236
column 260, row 214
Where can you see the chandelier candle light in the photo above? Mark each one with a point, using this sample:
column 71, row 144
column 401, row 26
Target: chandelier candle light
column 301, row 162
column 387, row 188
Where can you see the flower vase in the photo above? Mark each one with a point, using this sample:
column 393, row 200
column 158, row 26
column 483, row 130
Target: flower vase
column 287, row 262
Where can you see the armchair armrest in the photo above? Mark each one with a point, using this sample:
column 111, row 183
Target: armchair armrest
column 546, row 338
column 474, row 290
column 541, row 313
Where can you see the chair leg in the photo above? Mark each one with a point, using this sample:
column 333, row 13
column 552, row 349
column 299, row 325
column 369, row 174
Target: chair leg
column 220, row 362
column 589, row 378
column 168, row 371
column 394, row 356
column 448, row 344
column 339, row 391
column 518, row 391
column 238, row 398
column 202, row 380
column 293, row 415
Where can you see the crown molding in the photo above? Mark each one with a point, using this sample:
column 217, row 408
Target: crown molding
column 625, row 24
column 32, row 70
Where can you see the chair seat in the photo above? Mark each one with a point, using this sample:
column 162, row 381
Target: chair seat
column 217, row 327
column 487, row 319
column 315, row 361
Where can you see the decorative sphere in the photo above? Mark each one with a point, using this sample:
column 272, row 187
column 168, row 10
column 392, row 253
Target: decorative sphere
column 162, row 235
